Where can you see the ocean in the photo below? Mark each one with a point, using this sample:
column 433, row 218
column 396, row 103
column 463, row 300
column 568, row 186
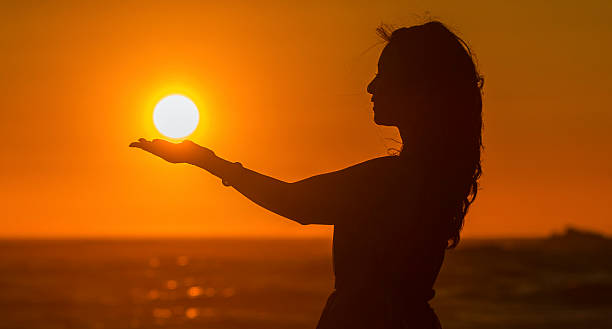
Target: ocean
column 557, row 282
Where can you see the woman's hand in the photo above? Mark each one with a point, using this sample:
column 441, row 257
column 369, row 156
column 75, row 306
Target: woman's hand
column 183, row 152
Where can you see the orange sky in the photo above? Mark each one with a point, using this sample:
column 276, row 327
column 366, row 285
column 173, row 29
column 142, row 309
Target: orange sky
column 281, row 88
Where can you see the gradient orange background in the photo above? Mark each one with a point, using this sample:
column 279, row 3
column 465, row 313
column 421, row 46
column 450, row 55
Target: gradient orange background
column 281, row 88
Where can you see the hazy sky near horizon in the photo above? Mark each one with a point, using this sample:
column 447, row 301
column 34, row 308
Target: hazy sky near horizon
column 281, row 87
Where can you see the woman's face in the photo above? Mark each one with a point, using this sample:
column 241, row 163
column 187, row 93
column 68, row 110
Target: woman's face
column 390, row 95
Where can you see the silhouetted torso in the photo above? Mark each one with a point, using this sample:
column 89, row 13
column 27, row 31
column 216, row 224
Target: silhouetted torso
column 388, row 255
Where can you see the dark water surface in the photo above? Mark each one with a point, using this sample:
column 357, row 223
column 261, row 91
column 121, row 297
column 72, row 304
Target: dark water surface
column 223, row 283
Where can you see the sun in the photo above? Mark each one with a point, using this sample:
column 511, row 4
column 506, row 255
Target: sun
column 176, row 116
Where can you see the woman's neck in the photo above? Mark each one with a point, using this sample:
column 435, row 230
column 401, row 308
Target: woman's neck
column 411, row 145
column 415, row 145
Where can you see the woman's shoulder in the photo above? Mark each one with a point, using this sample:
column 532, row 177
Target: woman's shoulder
column 389, row 160
column 382, row 164
column 367, row 172
column 375, row 168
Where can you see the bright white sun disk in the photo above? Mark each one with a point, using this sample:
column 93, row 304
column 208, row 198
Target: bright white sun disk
column 176, row 116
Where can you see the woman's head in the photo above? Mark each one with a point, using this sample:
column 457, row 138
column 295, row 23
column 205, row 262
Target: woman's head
column 428, row 86
column 420, row 68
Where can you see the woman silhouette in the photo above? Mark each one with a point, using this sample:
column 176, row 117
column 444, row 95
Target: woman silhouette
column 393, row 216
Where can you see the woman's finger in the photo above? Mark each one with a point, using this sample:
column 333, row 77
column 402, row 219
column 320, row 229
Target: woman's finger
column 142, row 144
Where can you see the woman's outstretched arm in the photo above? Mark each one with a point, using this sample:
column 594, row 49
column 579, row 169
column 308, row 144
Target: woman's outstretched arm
column 320, row 199
column 295, row 201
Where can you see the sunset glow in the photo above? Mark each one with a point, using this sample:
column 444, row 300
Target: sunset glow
column 306, row 164
column 282, row 89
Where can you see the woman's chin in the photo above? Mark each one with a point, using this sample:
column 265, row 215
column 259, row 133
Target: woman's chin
column 381, row 121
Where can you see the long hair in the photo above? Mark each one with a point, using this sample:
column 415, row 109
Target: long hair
column 441, row 66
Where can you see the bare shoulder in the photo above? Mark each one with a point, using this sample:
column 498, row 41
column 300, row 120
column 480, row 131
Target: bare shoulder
column 363, row 172
column 385, row 162
column 374, row 167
